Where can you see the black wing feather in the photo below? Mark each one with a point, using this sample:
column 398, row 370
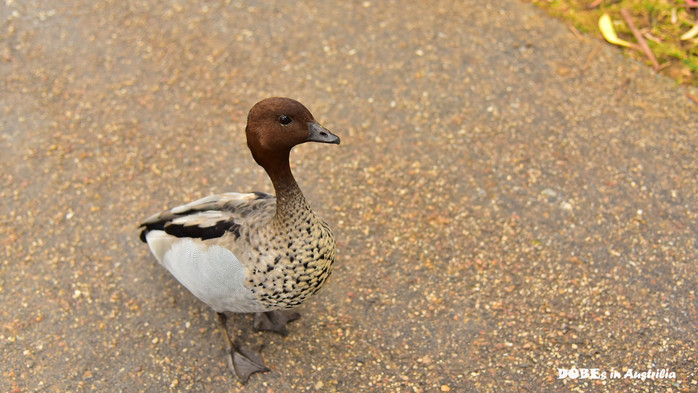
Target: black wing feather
column 203, row 233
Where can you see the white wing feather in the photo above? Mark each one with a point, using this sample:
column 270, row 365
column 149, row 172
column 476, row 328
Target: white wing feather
column 212, row 273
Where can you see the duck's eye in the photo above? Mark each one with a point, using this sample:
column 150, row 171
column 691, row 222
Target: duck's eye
column 285, row 120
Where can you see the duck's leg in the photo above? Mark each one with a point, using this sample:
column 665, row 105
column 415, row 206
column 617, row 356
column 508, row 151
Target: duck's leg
column 275, row 321
column 242, row 364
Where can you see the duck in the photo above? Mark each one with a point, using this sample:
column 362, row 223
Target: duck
column 252, row 252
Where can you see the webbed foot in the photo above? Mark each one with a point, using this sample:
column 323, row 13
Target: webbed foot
column 275, row 321
column 242, row 363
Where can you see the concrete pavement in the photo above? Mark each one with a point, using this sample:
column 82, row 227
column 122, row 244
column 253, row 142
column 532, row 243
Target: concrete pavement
column 509, row 200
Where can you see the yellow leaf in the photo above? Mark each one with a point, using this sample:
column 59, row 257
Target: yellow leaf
column 691, row 33
column 609, row 33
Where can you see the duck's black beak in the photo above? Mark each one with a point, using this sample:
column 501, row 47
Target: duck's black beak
column 321, row 134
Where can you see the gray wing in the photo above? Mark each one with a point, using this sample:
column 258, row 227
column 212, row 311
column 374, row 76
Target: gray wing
column 207, row 218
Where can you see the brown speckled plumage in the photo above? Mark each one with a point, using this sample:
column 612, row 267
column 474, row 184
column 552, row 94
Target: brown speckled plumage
column 287, row 257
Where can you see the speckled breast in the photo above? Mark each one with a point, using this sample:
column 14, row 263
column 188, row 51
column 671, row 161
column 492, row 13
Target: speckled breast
column 295, row 267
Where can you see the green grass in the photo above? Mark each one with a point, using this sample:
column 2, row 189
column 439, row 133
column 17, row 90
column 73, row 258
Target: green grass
column 662, row 22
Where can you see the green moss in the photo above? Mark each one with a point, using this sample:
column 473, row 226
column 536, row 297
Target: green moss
column 691, row 62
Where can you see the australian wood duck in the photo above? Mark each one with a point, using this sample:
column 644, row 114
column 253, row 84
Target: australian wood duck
column 252, row 253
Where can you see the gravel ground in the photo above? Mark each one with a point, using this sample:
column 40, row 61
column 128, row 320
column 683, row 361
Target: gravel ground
column 508, row 199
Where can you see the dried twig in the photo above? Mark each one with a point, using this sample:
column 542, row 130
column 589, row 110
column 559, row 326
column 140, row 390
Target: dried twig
column 640, row 39
column 575, row 31
column 595, row 4
column 692, row 98
column 591, row 56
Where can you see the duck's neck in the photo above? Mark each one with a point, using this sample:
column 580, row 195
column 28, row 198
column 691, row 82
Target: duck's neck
column 290, row 202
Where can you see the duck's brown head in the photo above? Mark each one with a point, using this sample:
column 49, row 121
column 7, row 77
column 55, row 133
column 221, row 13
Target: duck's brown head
column 275, row 125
